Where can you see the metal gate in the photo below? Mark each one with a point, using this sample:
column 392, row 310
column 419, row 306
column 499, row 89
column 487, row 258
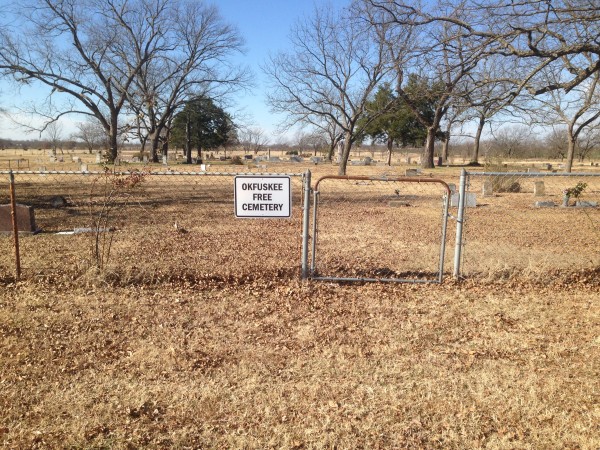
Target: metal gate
column 379, row 229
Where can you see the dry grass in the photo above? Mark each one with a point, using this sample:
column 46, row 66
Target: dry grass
column 207, row 338
column 280, row 364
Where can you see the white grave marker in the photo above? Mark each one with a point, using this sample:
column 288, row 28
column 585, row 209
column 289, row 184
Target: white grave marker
column 263, row 197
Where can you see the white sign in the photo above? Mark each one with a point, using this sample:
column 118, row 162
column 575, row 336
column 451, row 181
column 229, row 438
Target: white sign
column 263, row 196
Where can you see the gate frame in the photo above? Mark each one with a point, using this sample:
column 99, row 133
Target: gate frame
column 445, row 216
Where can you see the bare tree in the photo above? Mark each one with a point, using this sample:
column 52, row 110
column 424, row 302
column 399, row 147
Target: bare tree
column 576, row 110
column 91, row 133
column 442, row 56
column 196, row 66
column 93, row 52
column 588, row 141
column 54, row 136
column 511, row 141
column 253, row 139
column 336, row 62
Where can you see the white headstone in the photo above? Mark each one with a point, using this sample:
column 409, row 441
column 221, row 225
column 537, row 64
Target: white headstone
column 470, row 200
column 539, row 189
column 98, row 158
column 488, row 188
column 164, row 160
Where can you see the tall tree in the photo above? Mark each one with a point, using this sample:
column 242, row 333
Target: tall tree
column 394, row 125
column 87, row 50
column 100, row 56
column 336, row 63
column 202, row 125
column 442, row 55
column 576, row 110
column 197, row 65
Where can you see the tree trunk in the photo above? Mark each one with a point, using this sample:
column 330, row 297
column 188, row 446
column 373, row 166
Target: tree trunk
column 154, row 146
column 570, row 150
column 113, row 150
column 427, row 162
column 445, row 148
column 331, row 151
column 188, row 142
column 475, row 157
column 390, row 145
column 345, row 154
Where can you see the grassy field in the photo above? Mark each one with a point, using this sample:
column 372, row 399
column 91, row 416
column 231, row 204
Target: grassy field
column 203, row 336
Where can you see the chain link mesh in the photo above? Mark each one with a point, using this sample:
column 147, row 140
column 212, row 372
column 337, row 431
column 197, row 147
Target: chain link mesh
column 521, row 223
column 378, row 229
column 164, row 225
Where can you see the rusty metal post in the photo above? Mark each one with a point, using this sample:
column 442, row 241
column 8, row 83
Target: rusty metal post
column 13, row 214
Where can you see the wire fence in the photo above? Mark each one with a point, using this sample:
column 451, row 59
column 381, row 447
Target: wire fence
column 149, row 226
column 391, row 229
column 531, row 222
column 169, row 225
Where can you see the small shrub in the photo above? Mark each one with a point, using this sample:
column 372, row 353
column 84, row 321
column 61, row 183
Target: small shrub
column 236, row 160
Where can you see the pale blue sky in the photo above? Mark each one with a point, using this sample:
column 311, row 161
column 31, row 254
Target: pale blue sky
column 265, row 26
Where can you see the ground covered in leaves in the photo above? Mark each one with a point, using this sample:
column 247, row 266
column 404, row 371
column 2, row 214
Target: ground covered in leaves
column 277, row 363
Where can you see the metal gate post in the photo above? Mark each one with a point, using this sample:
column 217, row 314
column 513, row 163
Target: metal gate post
column 447, row 196
column 305, row 224
column 459, row 222
column 13, row 214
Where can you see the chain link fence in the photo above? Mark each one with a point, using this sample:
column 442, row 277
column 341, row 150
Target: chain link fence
column 148, row 226
column 531, row 222
column 387, row 229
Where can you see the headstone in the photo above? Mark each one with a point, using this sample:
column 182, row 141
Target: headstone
column 203, row 167
column 316, row 159
column 145, row 159
column 356, row 163
column 295, row 159
column 412, row 172
column 544, row 204
column 164, row 160
column 548, row 166
column 25, row 219
column 61, row 159
column 530, row 170
column 274, row 159
column 452, row 187
column 488, row 188
column 83, row 167
column 135, row 159
column 248, row 157
column 539, row 190
column 76, row 159
column 367, row 161
column 98, row 158
column 52, row 158
column 586, row 204
column 408, row 160
column 470, row 200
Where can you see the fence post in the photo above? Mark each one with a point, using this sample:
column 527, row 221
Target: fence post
column 13, row 214
column 305, row 224
column 459, row 222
